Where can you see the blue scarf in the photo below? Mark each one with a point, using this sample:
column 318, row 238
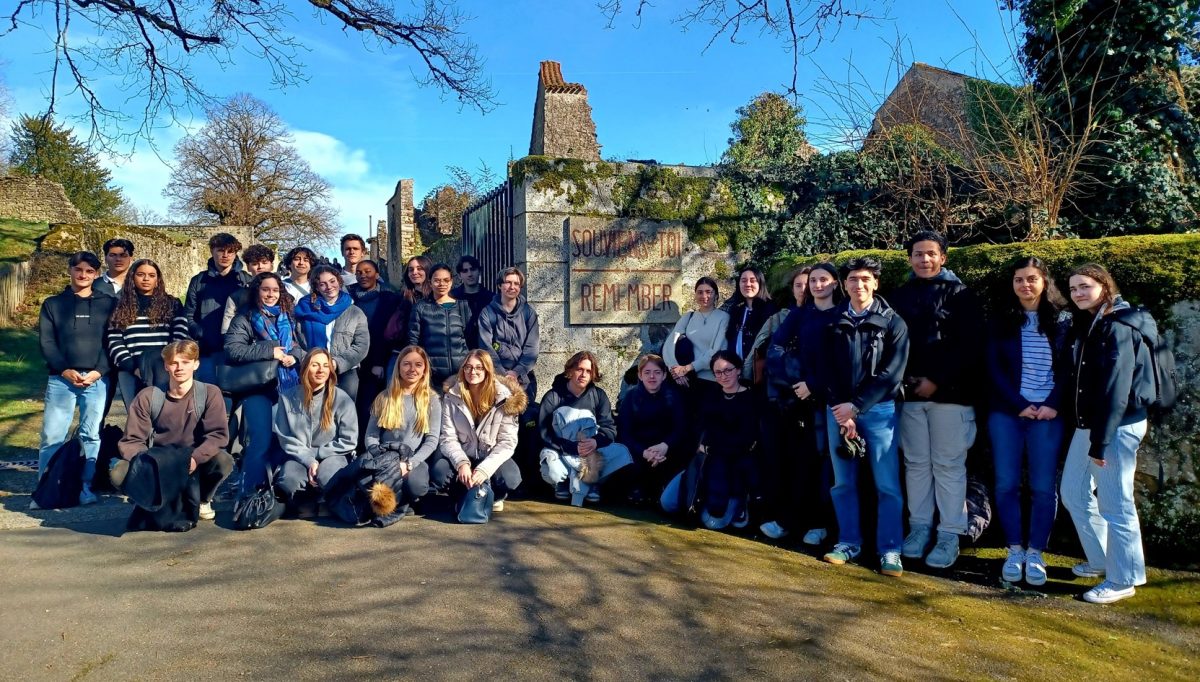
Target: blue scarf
column 314, row 317
column 279, row 329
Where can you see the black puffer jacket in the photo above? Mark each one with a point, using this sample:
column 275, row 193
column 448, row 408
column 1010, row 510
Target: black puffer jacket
column 442, row 332
column 945, row 329
column 379, row 305
column 204, row 305
column 349, row 494
column 1113, row 377
column 866, row 356
column 797, row 352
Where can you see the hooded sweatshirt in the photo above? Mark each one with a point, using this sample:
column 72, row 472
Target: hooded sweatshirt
column 945, row 326
column 593, row 399
column 71, row 332
column 510, row 338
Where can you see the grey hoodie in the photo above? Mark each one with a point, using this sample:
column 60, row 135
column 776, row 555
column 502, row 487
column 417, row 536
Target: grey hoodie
column 510, row 338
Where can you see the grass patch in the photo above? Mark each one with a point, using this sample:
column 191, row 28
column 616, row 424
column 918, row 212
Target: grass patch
column 22, row 383
column 18, row 239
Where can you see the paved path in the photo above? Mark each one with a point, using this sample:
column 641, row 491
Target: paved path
column 543, row 592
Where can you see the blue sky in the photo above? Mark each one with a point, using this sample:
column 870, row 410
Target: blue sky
column 363, row 123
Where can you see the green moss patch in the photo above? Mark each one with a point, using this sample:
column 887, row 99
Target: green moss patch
column 18, row 240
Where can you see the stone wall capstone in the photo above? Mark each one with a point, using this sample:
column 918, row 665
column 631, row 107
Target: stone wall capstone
column 35, row 199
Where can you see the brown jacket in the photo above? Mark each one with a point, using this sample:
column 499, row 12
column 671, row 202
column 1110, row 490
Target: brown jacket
column 177, row 425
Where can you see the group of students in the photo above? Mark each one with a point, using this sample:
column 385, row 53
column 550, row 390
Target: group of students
column 372, row 397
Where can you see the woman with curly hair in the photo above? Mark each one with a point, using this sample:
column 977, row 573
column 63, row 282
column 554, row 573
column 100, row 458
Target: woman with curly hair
column 146, row 318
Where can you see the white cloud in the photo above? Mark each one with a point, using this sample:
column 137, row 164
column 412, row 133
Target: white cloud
column 330, row 157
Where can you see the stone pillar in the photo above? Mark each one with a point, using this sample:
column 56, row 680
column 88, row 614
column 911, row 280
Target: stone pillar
column 562, row 118
column 401, row 223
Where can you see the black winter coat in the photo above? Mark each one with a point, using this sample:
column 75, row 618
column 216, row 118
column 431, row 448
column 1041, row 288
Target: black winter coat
column 1113, row 375
column 442, row 332
column 204, row 305
column 795, row 354
column 865, row 356
column 379, row 306
column 945, row 322
column 759, row 314
column 646, row 419
column 349, row 494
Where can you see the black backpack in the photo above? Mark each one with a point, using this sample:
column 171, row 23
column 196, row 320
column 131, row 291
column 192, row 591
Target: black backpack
column 1162, row 363
column 61, row 483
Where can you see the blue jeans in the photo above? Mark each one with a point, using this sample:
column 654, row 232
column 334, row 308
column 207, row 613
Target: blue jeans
column 61, row 398
column 1016, row 441
column 878, row 426
column 1100, row 500
column 257, row 437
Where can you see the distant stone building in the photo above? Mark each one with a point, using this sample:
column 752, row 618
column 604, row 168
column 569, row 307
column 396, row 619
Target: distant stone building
column 34, row 199
column 562, row 118
column 933, row 98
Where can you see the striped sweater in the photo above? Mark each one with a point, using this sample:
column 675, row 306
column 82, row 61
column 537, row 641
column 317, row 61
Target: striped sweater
column 125, row 346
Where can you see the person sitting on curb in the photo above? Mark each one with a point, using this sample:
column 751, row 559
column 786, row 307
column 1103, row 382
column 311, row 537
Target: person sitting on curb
column 190, row 416
column 317, row 426
column 576, row 425
column 71, row 333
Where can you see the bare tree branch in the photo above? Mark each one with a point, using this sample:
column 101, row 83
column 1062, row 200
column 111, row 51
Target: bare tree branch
column 801, row 25
column 152, row 45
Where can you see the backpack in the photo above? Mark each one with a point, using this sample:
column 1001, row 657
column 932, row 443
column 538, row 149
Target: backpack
column 1162, row 363
column 110, row 436
column 61, row 483
column 256, row 506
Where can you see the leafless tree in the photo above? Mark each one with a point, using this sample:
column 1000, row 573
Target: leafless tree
column 151, row 45
column 801, row 25
column 241, row 169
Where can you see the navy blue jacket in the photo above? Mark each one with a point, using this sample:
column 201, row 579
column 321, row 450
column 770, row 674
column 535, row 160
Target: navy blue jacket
column 1004, row 367
column 797, row 353
column 1113, row 375
column 866, row 355
column 512, row 339
column 646, row 419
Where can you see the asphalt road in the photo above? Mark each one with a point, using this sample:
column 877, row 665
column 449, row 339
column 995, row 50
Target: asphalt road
column 542, row 592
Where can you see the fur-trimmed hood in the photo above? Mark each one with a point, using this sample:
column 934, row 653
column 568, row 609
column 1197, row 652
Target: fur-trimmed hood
column 508, row 392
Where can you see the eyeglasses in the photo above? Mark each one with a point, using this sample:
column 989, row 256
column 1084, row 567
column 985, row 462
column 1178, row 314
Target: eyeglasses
column 724, row 372
column 473, row 368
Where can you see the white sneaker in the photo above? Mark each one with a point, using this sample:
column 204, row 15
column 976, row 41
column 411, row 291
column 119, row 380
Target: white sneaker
column 773, row 530
column 1108, row 592
column 33, row 506
column 815, row 536
column 1014, row 566
column 86, row 496
column 498, row 506
column 1085, row 570
column 1035, row 568
column 206, row 511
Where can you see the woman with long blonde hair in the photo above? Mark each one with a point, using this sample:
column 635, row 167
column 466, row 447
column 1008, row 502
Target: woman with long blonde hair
column 479, row 429
column 404, row 427
column 317, row 427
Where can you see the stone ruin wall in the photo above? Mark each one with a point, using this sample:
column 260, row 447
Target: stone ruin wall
column 34, row 199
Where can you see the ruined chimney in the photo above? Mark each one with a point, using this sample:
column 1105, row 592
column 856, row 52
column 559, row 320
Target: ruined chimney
column 562, row 118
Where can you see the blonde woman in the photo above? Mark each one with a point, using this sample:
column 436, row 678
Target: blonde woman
column 479, row 429
column 404, row 428
column 317, row 428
